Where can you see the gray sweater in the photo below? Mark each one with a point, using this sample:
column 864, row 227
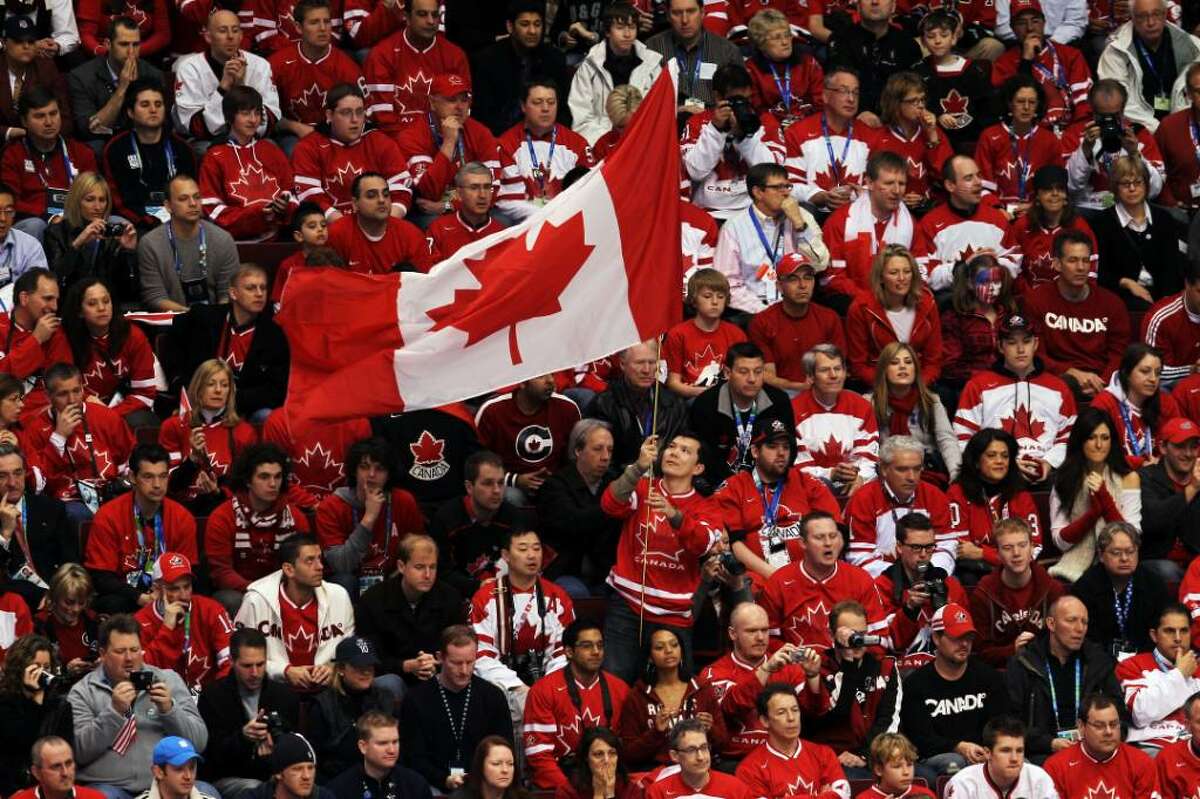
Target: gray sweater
column 97, row 725
column 712, row 52
column 156, row 264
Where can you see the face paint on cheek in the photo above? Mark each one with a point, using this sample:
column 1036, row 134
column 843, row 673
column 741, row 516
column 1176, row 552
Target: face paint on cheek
column 988, row 283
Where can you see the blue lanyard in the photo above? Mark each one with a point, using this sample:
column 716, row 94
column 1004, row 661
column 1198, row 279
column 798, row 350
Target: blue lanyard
column 437, row 140
column 1149, row 61
column 785, row 88
column 744, row 429
column 681, row 58
column 1056, row 73
column 1122, row 603
column 835, row 166
column 175, row 252
column 770, row 506
column 1141, row 447
column 160, row 541
column 773, row 253
column 35, row 157
column 168, row 151
column 1023, row 164
column 1194, row 130
column 1054, row 691
column 540, row 174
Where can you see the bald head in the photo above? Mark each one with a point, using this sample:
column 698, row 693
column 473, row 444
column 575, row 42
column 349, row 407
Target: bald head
column 223, row 34
column 747, row 614
column 748, row 628
column 1067, row 624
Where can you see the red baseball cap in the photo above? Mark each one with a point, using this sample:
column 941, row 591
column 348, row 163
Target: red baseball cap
column 953, row 620
column 1180, row 430
column 170, row 566
column 794, row 261
column 450, row 85
column 1018, row 7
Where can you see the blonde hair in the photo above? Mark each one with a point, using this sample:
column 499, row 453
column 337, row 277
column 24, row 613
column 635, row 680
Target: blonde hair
column 84, row 183
column 890, row 746
column 621, row 103
column 764, row 23
column 1128, row 167
column 71, row 580
column 204, row 373
column 886, row 254
column 879, row 397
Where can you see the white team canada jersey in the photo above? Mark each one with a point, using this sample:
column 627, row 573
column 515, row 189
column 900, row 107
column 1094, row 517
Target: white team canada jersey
column 974, row 783
column 953, row 238
column 716, row 165
column 1155, row 692
column 529, row 632
column 1039, row 412
column 808, row 161
column 826, row 437
column 697, row 252
column 196, row 92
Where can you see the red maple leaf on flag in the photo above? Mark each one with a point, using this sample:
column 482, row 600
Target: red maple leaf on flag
column 427, row 449
column 1022, row 424
column 254, row 187
column 516, row 284
column 954, row 103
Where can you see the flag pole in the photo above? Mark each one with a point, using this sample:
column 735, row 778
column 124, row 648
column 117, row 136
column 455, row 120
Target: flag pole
column 650, row 478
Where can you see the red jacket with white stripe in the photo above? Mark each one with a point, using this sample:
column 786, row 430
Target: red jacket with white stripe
column 104, row 372
column 869, row 330
column 801, row 75
column 556, row 153
column 1036, row 248
column 197, row 651
column 808, row 161
column 431, row 172
column 510, row 625
column 798, row 604
column 399, row 77
column 449, row 233
column 698, row 239
column 554, row 725
column 325, row 169
column 715, row 165
column 924, row 163
column 672, row 556
column 1038, row 410
column 1155, row 692
column 1174, row 330
column 275, row 26
column 1063, row 74
column 1189, row 595
column 954, row 236
column 1007, row 162
column 850, row 257
column 238, row 182
column 845, row 431
column 976, row 520
column 745, row 728
column 871, row 516
column 810, row 769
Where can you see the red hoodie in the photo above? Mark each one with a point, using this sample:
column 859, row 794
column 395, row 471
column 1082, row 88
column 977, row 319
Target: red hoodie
column 868, row 331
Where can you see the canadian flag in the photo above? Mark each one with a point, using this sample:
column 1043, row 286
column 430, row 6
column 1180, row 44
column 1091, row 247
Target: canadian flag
column 593, row 272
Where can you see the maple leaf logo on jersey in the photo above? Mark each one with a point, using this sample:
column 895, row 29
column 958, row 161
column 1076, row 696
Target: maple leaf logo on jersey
column 710, row 372
column 514, row 286
column 831, row 452
column 586, row 718
column 1022, row 424
column 253, row 187
column 301, row 641
column 429, row 464
column 312, row 100
column 814, row 617
column 956, row 105
column 314, row 468
column 81, row 455
column 644, row 545
column 416, row 88
column 345, row 175
column 801, row 787
column 916, row 169
column 1102, row 791
column 137, row 14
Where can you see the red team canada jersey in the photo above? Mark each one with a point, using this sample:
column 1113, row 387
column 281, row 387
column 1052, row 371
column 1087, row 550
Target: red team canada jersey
column 1127, row 774
column 826, row 437
column 303, row 84
column 275, row 27
column 740, row 12
column 1036, row 246
column 768, row 772
column 553, row 724
column 238, row 181
column 697, row 355
column 784, row 338
column 672, row 569
column 221, row 443
column 111, row 444
column 32, row 176
column 527, row 443
column 198, row 651
column 808, row 161
column 801, row 79
column 317, row 452
column 978, row 520
column 401, row 244
column 242, row 545
column 798, row 604
column 105, row 371
column 1063, row 74
column 538, row 174
column 431, row 171
column 670, row 785
column 745, row 729
column 449, row 233
column 1007, row 161
column 336, row 520
column 399, row 76
column 25, row 358
column 1178, row 767
column 299, row 629
column 325, row 169
column 924, row 164
column 871, row 516
column 1174, row 330
column 114, row 544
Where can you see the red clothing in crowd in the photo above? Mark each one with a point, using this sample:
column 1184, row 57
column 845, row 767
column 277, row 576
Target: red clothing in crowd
column 968, row 344
column 924, row 163
column 303, row 84
column 432, row 173
column 853, row 236
column 400, row 245
column 317, row 453
column 283, row 271
column 400, row 75
column 553, row 723
column 869, row 329
column 300, row 629
column 744, row 727
column 26, row 359
column 977, row 520
column 508, row 623
column 336, row 520
column 1007, row 161
column 66, row 462
column 1001, row 613
column 800, row 78
column 243, row 545
column 911, row 637
column 1133, row 432
column 670, row 785
column 104, row 372
column 1174, row 329
column 527, row 442
column 805, row 771
column 952, row 236
column 871, row 516
column 913, row 792
column 1036, row 245
column 1178, row 138
column 697, row 355
column 369, row 21
column 275, row 25
column 33, row 176
column 114, row 545
column 15, row 620
column 75, row 641
column 325, row 169
column 739, row 12
column 1089, row 335
column 152, row 18
column 555, row 154
column 798, row 604
column 643, row 744
column 843, row 432
column 221, row 442
column 1063, row 74
column 1128, row 772
column 1178, row 766
column 784, row 338
column 238, row 182
column 198, row 651
column 449, row 233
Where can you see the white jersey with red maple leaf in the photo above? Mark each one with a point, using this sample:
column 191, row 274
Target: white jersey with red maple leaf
column 326, row 168
column 844, row 432
column 198, row 110
column 529, row 632
column 1127, row 773
column 816, row 162
column 798, row 604
column 303, row 83
column 1089, row 181
column 973, row 782
column 534, row 166
column 954, row 237
column 716, row 164
column 805, row 771
column 238, row 181
column 1038, row 411
column 399, row 76
column 871, row 516
column 698, row 239
column 1155, row 693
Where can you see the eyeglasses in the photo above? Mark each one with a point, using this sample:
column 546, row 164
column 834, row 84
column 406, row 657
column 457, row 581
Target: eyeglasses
column 918, row 100
column 692, row 751
column 777, row 38
column 1150, row 16
column 1120, row 554
column 1104, row 726
column 1131, row 183
column 779, row 186
column 843, row 91
column 8, row 211
column 918, row 548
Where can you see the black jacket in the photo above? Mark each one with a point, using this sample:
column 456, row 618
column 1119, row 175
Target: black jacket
column 1094, row 589
column 267, row 791
column 1122, row 255
column 399, row 632
column 1166, row 513
column 937, row 713
column 110, row 262
column 467, row 548
column 139, row 182
column 91, row 87
column 331, row 726
column 1029, row 687
column 621, row 408
column 229, row 754
column 570, row 520
column 711, row 417
column 51, row 540
column 499, row 74
column 23, row 721
column 196, row 336
column 873, row 59
column 427, row 742
column 401, row 783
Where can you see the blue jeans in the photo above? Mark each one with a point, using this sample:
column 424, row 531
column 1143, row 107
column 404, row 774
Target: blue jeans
column 946, row 763
column 394, row 684
column 626, row 656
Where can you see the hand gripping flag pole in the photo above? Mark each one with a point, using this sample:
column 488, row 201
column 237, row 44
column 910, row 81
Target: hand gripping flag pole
column 650, row 479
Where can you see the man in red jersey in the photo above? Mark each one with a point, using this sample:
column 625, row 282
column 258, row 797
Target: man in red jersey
column 1172, row 325
column 305, row 70
column 53, row 770
column 799, row 596
column 470, row 220
column 186, row 632
column 694, row 778
column 1178, row 764
column 401, row 69
column 1178, row 139
column 1157, row 682
column 785, row 765
column 1100, row 765
column 668, row 526
column 748, row 630
column 372, row 240
column 33, row 335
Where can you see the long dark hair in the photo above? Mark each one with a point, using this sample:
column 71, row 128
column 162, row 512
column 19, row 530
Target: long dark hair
column 1068, row 481
column 1038, row 222
column 76, row 329
column 473, row 787
column 582, row 780
column 974, row 486
column 20, row 655
column 1133, row 355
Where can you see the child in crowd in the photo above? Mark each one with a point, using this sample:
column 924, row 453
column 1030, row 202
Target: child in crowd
column 892, row 759
column 695, row 348
column 958, row 88
column 310, row 229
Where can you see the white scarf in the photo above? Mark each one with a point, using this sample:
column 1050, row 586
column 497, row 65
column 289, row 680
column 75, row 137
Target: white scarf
column 899, row 229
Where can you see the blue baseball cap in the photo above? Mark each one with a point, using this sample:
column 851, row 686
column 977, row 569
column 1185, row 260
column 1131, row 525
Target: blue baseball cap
column 174, row 751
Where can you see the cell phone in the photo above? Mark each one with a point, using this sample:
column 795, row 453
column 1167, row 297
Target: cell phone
column 142, row 679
